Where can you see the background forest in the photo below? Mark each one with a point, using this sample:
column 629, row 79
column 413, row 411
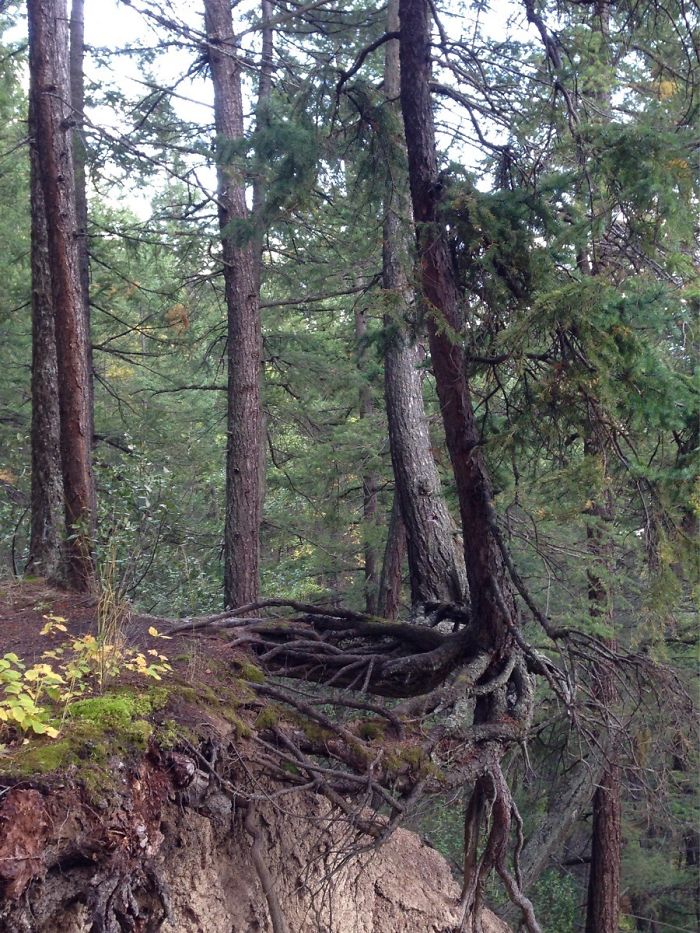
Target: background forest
column 567, row 136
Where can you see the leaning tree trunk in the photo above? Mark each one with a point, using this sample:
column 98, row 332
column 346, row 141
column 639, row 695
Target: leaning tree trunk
column 494, row 614
column 436, row 569
column 50, row 93
column 241, row 280
column 492, row 604
column 47, row 483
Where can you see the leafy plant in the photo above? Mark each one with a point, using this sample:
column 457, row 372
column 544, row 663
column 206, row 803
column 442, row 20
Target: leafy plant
column 35, row 699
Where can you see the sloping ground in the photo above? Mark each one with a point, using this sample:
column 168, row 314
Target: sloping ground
column 147, row 814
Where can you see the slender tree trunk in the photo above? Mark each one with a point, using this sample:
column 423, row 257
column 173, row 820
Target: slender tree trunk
column 77, row 89
column 436, row 568
column 369, row 479
column 389, row 599
column 241, row 279
column 491, row 599
column 603, row 901
column 47, row 483
column 50, row 91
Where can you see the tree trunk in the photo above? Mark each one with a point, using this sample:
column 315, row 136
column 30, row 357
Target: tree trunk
column 436, row 568
column 369, row 479
column 50, row 90
column 389, row 599
column 77, row 90
column 603, row 903
column 241, row 279
column 47, row 483
column 492, row 604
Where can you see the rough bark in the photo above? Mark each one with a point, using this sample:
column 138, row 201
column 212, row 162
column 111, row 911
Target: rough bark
column 603, row 902
column 241, row 279
column 435, row 565
column 491, row 600
column 369, row 479
column 389, row 599
column 77, row 90
column 47, row 482
column 50, row 90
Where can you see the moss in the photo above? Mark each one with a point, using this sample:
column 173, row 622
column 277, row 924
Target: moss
column 169, row 734
column 312, row 730
column 267, row 717
column 42, row 759
column 243, row 730
column 251, row 672
column 372, row 730
column 406, row 758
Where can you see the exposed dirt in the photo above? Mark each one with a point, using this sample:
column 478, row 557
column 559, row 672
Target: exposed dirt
column 189, row 838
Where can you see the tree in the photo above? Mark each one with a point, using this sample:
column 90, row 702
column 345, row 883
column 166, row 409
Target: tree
column 436, row 570
column 51, row 106
column 46, row 534
column 492, row 602
column 240, row 258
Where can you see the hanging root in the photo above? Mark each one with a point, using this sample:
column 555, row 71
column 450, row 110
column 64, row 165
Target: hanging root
column 252, row 827
column 491, row 802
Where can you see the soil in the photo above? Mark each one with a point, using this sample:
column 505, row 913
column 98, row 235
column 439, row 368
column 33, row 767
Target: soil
column 186, row 835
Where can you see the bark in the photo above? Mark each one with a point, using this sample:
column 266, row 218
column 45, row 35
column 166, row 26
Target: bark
column 603, row 904
column 47, row 483
column 491, row 599
column 436, row 568
column 369, row 479
column 389, row 599
column 603, row 901
column 241, row 279
column 77, row 89
column 50, row 91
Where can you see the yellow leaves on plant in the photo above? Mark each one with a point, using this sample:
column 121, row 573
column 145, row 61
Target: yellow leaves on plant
column 156, row 634
column 7, row 476
column 53, row 624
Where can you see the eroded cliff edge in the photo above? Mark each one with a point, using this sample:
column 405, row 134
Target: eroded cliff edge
column 175, row 851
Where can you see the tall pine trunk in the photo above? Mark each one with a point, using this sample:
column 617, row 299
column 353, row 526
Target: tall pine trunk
column 436, row 570
column 50, row 94
column 47, row 524
column 77, row 89
column 241, row 256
